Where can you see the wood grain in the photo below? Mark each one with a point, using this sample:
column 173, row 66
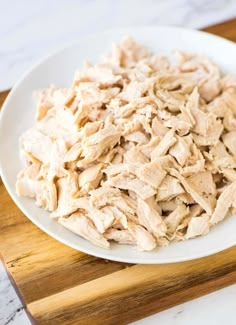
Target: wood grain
column 3, row 96
column 64, row 286
column 142, row 289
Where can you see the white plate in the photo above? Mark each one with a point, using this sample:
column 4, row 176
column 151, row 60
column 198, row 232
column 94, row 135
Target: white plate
column 18, row 115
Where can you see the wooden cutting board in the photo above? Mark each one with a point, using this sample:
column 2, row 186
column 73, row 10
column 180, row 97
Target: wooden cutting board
column 63, row 286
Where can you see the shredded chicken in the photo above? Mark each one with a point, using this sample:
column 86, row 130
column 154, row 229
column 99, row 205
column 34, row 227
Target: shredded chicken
column 138, row 151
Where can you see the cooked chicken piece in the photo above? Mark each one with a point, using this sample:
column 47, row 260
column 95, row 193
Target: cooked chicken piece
column 121, row 110
column 104, row 195
column 193, row 169
column 50, row 127
column 223, row 104
column 172, row 100
column 129, row 126
column 151, row 201
column 206, row 73
column 90, row 178
column 80, row 224
column 91, row 128
column 169, row 188
column 43, row 172
column 46, row 195
column 65, row 118
column 151, row 173
column 220, row 157
column 229, row 140
column 127, row 53
column 81, row 115
column 166, row 162
column 166, row 142
column 141, row 71
column 228, row 83
column 168, row 205
column 210, row 88
column 108, row 157
column 213, row 135
column 56, row 164
column 211, row 199
column 37, row 144
column 67, row 190
column 90, row 95
column 175, row 218
column 101, row 220
column 119, row 218
column 135, row 155
column 96, row 144
column 117, row 159
column 116, row 169
column 158, row 128
column 198, row 226
column 184, row 198
column 224, row 202
column 44, row 192
column 186, row 112
column 176, row 80
column 194, row 193
column 30, row 172
column 203, row 182
column 180, row 150
column 144, row 239
column 44, row 101
column 159, row 63
column 127, row 206
column 195, row 161
column 229, row 122
column 178, row 123
column 120, row 236
column 134, row 90
column 138, row 137
column 128, row 181
column 26, row 187
column 103, row 74
column 63, row 96
column 148, row 148
column 230, row 174
column 150, row 219
column 194, row 211
column 109, row 135
column 202, row 121
column 175, row 121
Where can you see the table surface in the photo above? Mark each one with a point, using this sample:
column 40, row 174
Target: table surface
column 227, row 30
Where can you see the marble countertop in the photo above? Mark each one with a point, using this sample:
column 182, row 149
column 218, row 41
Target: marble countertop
column 29, row 30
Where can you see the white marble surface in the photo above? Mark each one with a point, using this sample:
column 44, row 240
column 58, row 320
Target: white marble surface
column 11, row 310
column 29, row 30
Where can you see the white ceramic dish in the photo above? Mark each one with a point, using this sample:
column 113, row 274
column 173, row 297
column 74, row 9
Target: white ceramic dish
column 18, row 115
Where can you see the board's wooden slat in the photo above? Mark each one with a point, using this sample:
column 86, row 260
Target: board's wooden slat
column 3, row 96
column 140, row 288
column 226, row 29
column 63, row 286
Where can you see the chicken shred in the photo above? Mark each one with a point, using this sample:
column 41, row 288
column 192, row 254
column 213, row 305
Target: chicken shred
column 138, row 150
